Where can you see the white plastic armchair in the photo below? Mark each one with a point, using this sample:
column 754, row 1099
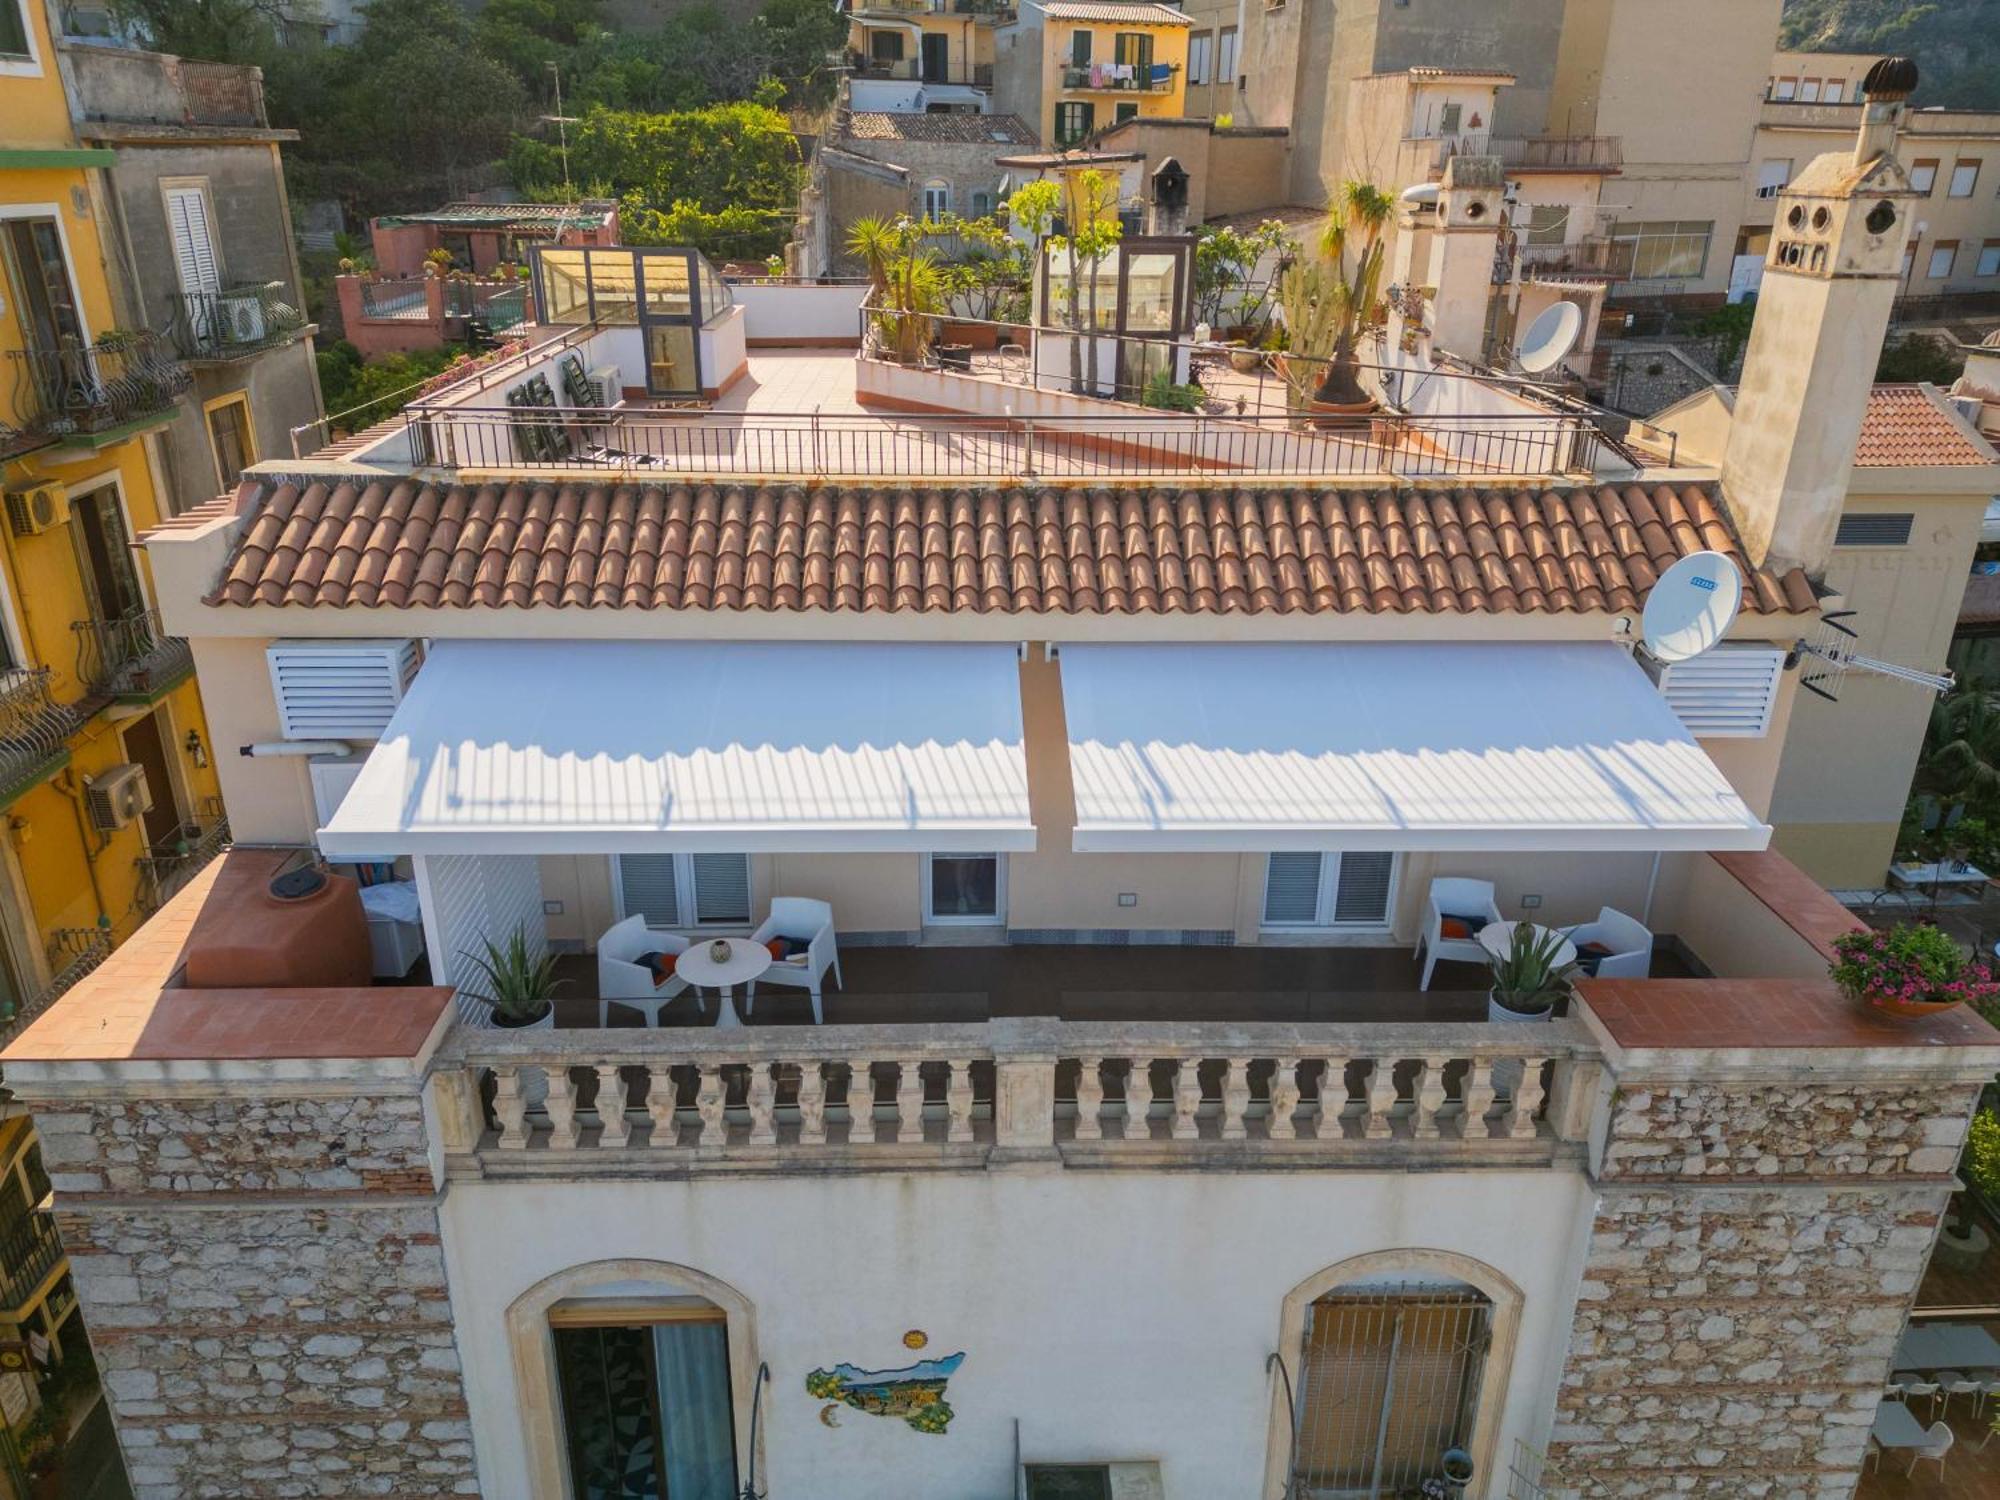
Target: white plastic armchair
column 1456, row 896
column 1937, row 1443
column 803, row 920
column 624, row 981
column 1630, row 942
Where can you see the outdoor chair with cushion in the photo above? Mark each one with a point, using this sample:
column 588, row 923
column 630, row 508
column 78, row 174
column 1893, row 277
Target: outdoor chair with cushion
column 1615, row 946
column 1454, row 912
column 803, row 929
column 635, row 967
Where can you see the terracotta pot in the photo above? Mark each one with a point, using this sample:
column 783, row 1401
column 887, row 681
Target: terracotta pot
column 1340, row 414
column 1909, row 1010
column 981, row 336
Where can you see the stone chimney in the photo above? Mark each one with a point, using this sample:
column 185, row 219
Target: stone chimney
column 1463, row 239
column 1830, row 277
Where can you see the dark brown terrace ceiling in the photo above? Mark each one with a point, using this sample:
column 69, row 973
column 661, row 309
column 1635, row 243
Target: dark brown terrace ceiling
column 396, row 543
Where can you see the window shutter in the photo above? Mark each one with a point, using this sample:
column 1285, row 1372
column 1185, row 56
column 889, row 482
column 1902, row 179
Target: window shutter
column 1726, row 693
column 647, row 886
column 1291, row 889
column 194, row 245
column 722, row 887
column 1362, row 897
column 339, row 690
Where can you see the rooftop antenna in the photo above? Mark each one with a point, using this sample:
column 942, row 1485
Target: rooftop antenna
column 1833, row 657
column 562, row 122
column 1549, row 339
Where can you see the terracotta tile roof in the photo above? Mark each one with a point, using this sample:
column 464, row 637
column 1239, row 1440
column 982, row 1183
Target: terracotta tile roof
column 335, row 541
column 965, row 130
column 1112, row 12
column 1906, row 425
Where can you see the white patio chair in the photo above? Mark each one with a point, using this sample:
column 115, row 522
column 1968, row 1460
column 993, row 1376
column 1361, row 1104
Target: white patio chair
column 1874, row 1451
column 1630, row 942
column 1454, row 896
column 803, row 920
column 1955, row 1383
column 1937, row 1443
column 1915, row 1386
column 622, row 980
column 1989, row 1385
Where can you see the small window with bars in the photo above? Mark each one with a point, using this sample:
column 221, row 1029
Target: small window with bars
column 685, row 890
column 1314, row 889
column 1884, row 529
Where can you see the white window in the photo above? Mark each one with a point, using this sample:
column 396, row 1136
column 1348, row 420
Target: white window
column 1788, row 88
column 965, row 890
column 937, row 200
column 1772, row 177
column 1328, row 890
column 685, row 890
column 1809, row 91
column 188, row 223
column 15, row 41
column 1942, row 255
column 1225, row 56
column 1923, row 175
column 1989, row 259
column 1964, row 178
column 1200, row 46
column 1836, row 89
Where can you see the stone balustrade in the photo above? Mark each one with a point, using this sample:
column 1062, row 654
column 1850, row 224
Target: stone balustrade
column 636, row 1100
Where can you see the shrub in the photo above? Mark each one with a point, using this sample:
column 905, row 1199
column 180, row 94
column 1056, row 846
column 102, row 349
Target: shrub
column 1161, row 392
column 1981, row 1164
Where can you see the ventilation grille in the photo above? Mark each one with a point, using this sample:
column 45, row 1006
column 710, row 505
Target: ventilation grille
column 1726, row 693
column 1892, row 530
column 339, row 690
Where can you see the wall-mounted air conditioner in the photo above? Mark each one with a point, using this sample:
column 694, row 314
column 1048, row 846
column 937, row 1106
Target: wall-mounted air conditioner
column 37, row 508
column 339, row 690
column 117, row 796
column 609, row 385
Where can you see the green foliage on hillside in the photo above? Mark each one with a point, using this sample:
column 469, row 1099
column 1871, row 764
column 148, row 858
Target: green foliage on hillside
column 1956, row 43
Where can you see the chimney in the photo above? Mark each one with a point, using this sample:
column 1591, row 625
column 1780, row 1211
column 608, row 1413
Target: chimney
column 1830, row 278
column 1462, row 245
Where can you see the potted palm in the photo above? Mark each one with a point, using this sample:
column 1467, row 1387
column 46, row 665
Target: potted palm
column 1330, row 299
column 520, row 984
column 1528, row 980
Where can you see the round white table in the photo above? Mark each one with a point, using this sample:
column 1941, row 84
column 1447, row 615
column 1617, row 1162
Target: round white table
column 746, row 961
column 1497, row 938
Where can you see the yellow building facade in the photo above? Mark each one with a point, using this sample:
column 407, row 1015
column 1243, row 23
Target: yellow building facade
column 1089, row 64
column 107, row 792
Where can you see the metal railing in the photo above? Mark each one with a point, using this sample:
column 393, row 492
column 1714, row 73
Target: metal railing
column 223, row 93
column 498, row 304
column 89, row 388
column 169, row 864
column 1159, row 79
column 1607, row 258
column 129, row 655
column 974, row 447
column 912, row 70
column 34, row 729
column 1558, row 153
column 233, row 323
column 72, row 953
column 401, row 300
column 27, row 1255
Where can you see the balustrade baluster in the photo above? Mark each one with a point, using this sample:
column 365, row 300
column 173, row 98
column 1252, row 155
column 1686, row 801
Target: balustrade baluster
column 958, row 1099
column 1235, row 1098
column 1479, row 1095
column 812, row 1105
column 1089, row 1098
column 662, row 1099
column 711, row 1100
column 860, row 1103
column 1187, row 1100
column 762, row 1097
column 1285, row 1094
column 1329, row 1119
column 612, row 1127
column 1139, row 1099
column 562, row 1109
column 1428, row 1094
column 1528, row 1097
column 1381, row 1098
column 510, row 1109
column 909, row 1101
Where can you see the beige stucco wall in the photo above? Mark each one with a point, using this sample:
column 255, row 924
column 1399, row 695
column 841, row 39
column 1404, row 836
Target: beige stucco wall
column 269, row 799
column 1246, row 173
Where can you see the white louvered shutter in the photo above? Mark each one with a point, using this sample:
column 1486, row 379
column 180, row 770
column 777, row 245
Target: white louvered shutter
column 1362, row 897
column 339, row 690
column 1291, row 890
column 721, row 888
column 1726, row 693
column 648, row 887
column 194, row 244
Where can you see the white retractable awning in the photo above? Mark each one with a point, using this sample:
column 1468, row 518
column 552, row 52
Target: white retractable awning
column 621, row 747
column 1390, row 746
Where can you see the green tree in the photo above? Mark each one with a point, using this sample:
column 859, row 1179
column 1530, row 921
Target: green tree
column 1090, row 235
column 720, row 156
column 1919, row 356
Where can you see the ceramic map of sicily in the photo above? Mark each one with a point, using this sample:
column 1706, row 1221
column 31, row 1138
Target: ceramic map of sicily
column 914, row 1393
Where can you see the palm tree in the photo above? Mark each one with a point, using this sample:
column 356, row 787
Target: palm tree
column 905, row 285
column 1352, row 245
column 1959, row 765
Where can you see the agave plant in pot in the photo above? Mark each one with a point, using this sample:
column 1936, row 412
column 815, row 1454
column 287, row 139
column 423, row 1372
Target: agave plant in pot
column 519, row 984
column 1530, row 975
column 1910, row 971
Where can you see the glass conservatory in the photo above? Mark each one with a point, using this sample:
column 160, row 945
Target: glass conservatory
column 668, row 293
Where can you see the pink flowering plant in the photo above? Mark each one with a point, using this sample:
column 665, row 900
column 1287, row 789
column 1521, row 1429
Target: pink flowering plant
column 1911, row 965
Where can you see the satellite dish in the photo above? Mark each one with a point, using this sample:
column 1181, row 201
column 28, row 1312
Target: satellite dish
column 1691, row 607
column 1550, row 338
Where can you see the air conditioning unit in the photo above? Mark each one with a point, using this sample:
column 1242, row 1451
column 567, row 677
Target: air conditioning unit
column 36, row 509
column 609, row 385
column 1727, row 692
column 339, row 690
column 117, row 796
column 242, row 313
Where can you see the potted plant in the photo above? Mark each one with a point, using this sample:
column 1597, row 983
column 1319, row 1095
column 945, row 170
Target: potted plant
column 1327, row 301
column 40, row 1444
column 1527, row 979
column 520, row 986
column 1909, row 971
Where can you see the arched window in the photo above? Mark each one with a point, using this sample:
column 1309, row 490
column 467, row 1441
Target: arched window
column 637, row 1379
column 1392, row 1361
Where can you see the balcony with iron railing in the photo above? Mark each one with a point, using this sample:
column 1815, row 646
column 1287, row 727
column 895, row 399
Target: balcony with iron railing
column 1595, row 257
column 95, row 393
column 1155, row 78
column 130, row 657
column 34, row 730
column 29, row 1255
column 170, row 863
column 913, row 70
column 1527, row 154
column 234, row 324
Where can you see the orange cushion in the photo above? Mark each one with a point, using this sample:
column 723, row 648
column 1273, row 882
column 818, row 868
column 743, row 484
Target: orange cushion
column 662, row 965
column 779, row 948
column 1454, row 928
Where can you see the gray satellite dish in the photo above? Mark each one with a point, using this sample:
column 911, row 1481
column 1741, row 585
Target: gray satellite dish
column 1691, row 607
column 1550, row 338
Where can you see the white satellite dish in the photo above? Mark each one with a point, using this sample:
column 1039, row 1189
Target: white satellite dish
column 1691, row 607
column 1550, row 338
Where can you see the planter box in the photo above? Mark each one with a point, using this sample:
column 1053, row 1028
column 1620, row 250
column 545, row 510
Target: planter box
column 980, row 336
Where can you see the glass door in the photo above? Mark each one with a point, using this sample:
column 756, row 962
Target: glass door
column 667, row 325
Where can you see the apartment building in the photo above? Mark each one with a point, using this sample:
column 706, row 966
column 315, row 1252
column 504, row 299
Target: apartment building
column 923, row 56
column 1214, row 30
column 1073, row 67
column 1103, row 771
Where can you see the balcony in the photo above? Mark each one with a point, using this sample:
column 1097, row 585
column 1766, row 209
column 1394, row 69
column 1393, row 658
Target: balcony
column 1595, row 258
column 29, row 1256
column 92, row 395
column 912, row 70
column 1100, row 79
column 224, row 326
column 171, row 863
column 1529, row 154
column 122, row 87
column 130, row 657
column 34, row 730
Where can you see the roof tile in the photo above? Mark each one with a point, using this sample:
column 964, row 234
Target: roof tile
column 1907, row 426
